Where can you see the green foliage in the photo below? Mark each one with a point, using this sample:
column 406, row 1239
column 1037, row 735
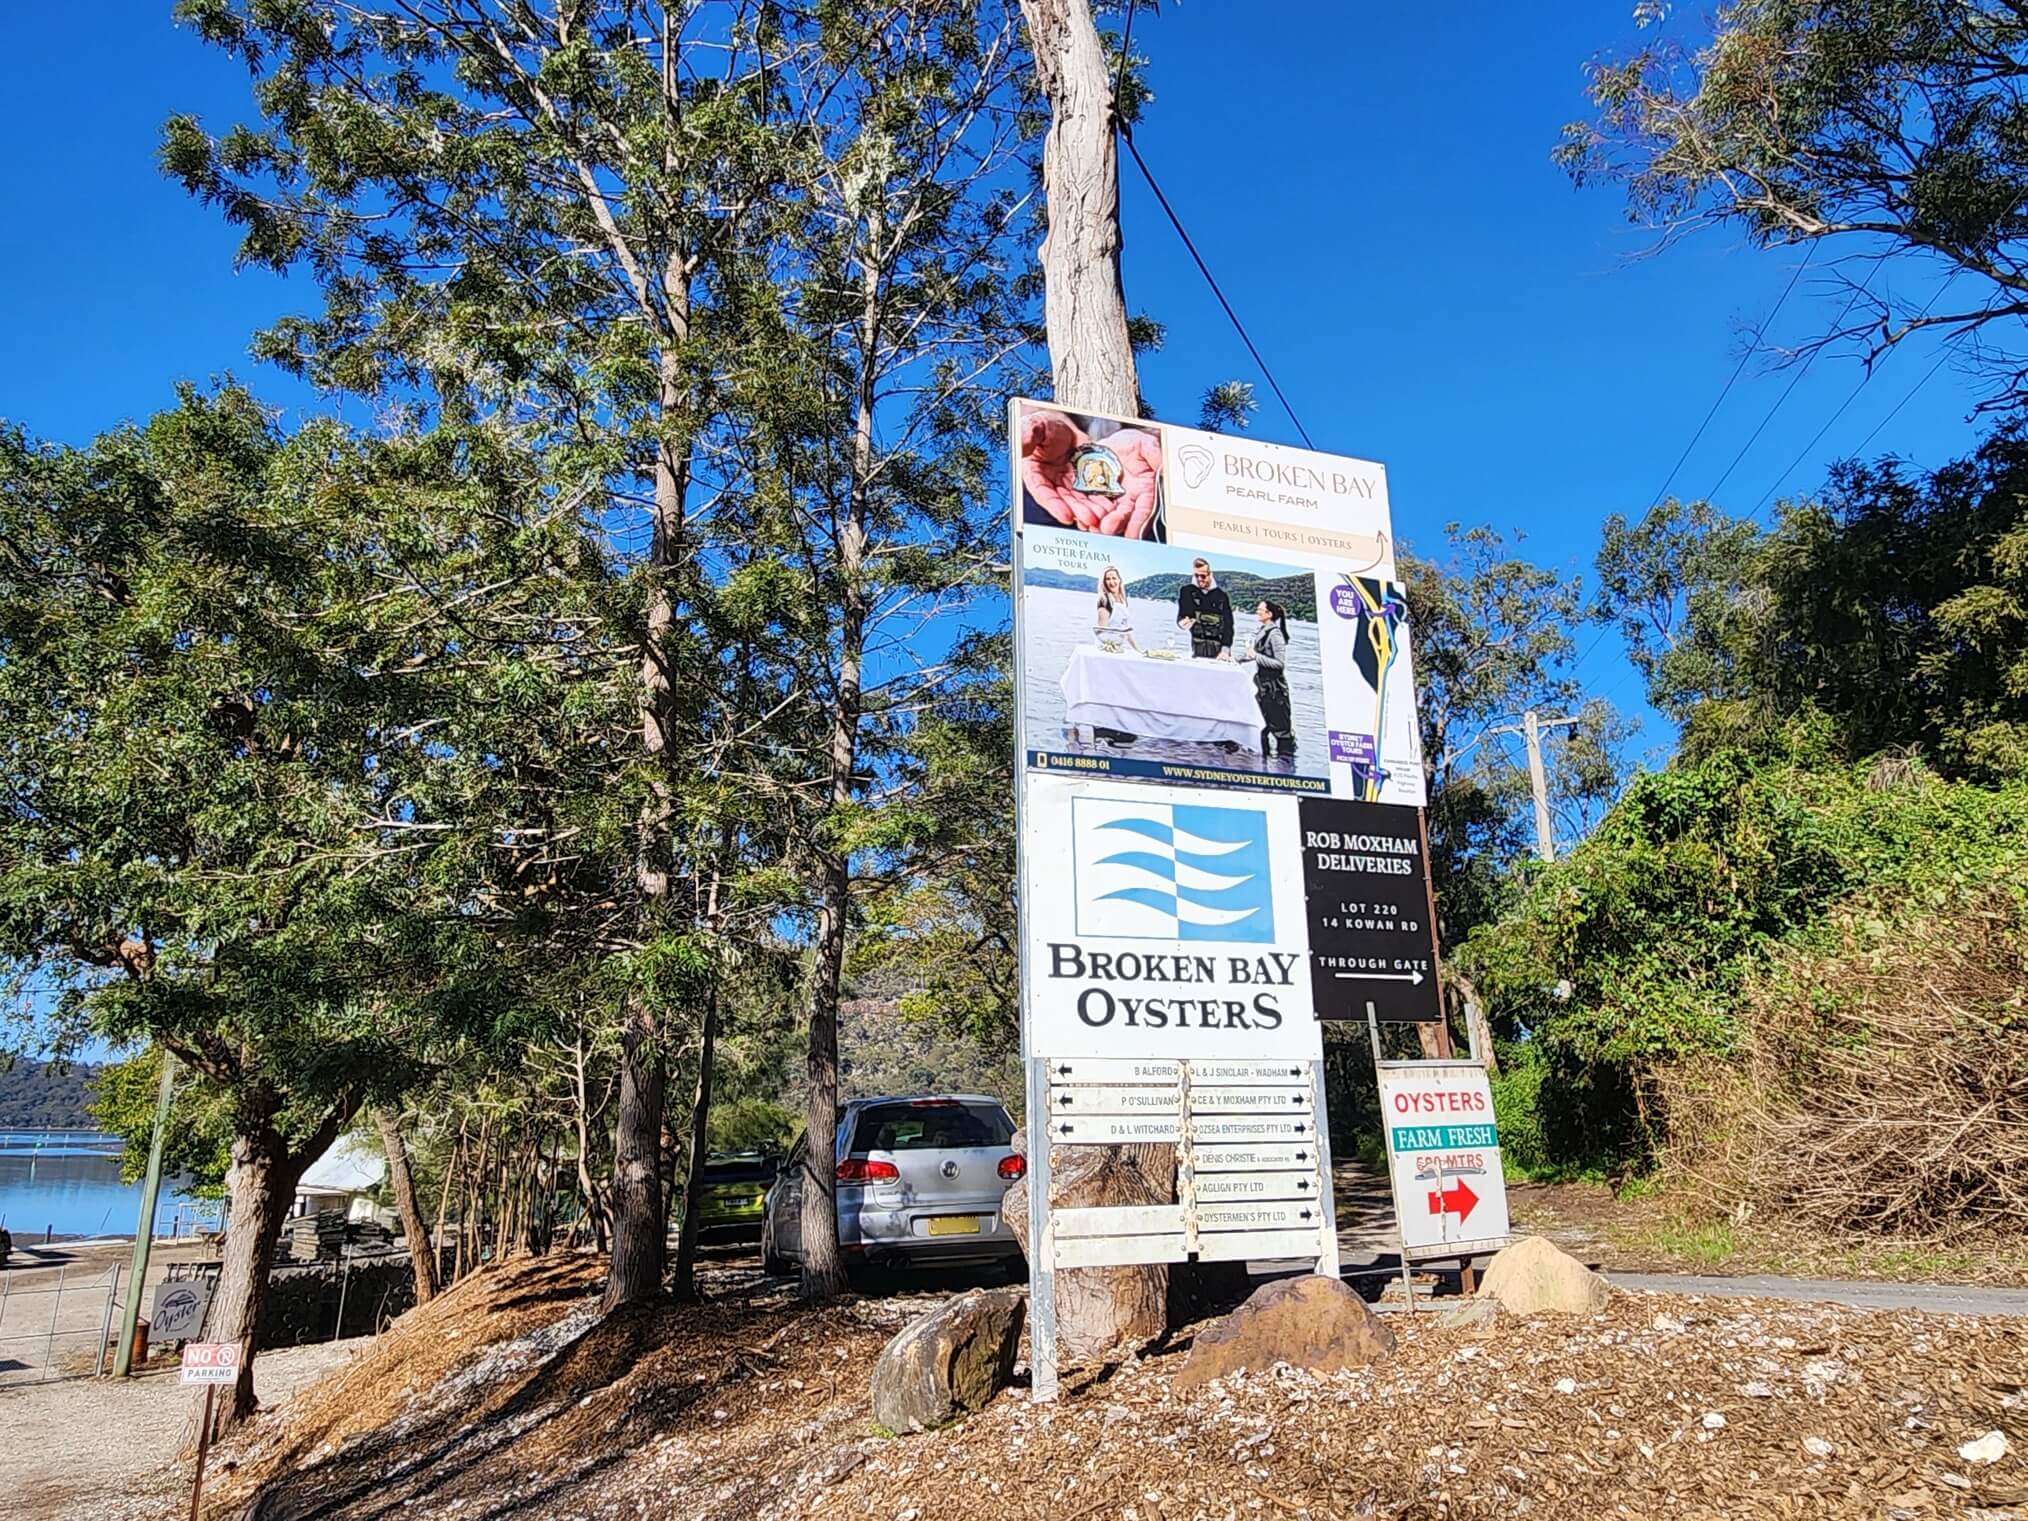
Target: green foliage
column 197, row 1142
column 1491, row 634
column 752, row 1124
column 1895, row 606
column 241, row 726
column 1517, row 1095
column 1651, row 926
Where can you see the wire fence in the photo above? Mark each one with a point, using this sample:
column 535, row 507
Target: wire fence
column 56, row 1323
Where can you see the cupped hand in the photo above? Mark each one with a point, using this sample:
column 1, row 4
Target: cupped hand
column 1049, row 444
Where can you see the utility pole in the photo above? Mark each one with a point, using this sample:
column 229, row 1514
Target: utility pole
column 144, row 1232
column 1530, row 729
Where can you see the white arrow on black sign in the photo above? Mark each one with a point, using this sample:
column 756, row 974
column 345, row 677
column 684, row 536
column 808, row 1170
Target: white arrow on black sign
column 1381, row 976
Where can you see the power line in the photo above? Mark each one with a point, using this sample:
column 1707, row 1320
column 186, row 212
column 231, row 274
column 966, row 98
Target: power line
column 1733, row 378
column 1205, row 270
column 1852, row 396
column 1794, row 381
column 1127, row 137
column 1928, row 375
column 1725, row 391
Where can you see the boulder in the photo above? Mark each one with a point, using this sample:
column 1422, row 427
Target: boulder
column 1311, row 1322
column 953, row 1359
column 1479, row 1315
column 1534, row 1277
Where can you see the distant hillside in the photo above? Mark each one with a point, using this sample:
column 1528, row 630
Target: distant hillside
column 37, row 1096
column 1296, row 593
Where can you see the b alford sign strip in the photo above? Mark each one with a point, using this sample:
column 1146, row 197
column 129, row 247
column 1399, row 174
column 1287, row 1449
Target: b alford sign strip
column 1099, row 1069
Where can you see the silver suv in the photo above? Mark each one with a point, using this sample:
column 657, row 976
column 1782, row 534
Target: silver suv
column 919, row 1183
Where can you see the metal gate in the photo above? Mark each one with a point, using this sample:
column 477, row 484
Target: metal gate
column 55, row 1323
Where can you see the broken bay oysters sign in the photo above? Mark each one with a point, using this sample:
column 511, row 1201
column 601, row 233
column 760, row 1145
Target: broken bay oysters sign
column 1207, row 630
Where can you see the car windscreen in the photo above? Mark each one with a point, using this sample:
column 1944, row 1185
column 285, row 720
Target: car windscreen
column 932, row 1125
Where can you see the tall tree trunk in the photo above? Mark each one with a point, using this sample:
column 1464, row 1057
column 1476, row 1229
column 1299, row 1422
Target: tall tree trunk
column 1092, row 363
column 451, row 1170
column 422, row 1252
column 1084, row 306
column 685, row 1284
column 640, row 1230
column 823, row 1263
column 263, row 1184
column 638, row 1233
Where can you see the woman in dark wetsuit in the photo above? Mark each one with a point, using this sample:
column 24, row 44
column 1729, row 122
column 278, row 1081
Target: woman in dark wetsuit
column 1269, row 654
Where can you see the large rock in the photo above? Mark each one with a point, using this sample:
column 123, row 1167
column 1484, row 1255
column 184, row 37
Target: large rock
column 953, row 1359
column 1534, row 1277
column 1312, row 1322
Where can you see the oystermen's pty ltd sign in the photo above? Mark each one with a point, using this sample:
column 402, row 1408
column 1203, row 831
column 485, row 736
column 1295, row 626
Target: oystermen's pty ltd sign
column 1165, row 922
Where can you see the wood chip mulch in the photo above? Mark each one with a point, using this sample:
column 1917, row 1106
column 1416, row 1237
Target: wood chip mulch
column 754, row 1408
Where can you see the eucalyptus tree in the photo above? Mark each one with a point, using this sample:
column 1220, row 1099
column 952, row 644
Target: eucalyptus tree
column 517, row 213
column 226, row 660
column 1866, row 128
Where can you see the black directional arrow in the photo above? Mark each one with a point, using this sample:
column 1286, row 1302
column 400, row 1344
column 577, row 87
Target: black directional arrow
column 1065, row 1099
column 1063, row 1071
column 1295, row 1072
column 1299, row 1127
column 1302, row 1156
column 1302, row 1184
column 1065, row 1129
column 1303, row 1214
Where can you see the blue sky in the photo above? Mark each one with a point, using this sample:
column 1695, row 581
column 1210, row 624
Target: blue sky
column 1372, row 185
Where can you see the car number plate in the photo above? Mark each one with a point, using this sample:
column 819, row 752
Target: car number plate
column 954, row 1225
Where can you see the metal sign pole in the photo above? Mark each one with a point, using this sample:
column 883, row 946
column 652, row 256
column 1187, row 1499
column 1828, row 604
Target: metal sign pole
column 1041, row 1241
column 203, row 1450
column 1327, row 1256
column 1387, row 1150
column 1041, row 1235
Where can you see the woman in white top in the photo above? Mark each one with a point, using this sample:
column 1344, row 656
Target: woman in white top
column 1115, row 617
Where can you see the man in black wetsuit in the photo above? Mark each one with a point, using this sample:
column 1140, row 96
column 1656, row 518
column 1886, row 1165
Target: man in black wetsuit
column 1203, row 608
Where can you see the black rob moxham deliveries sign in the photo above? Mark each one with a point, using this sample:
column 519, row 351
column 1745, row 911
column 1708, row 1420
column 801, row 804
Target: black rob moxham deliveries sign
column 1367, row 898
column 1165, row 922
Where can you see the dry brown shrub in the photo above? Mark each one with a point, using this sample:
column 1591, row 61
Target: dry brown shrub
column 1881, row 1085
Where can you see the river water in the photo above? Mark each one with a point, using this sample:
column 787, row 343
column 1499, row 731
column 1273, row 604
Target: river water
column 68, row 1182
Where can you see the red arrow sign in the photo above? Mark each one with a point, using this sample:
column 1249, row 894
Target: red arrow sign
column 1455, row 1200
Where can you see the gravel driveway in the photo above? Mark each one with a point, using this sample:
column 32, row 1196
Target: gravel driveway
column 99, row 1450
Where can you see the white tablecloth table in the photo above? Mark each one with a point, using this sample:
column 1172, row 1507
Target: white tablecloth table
column 1186, row 699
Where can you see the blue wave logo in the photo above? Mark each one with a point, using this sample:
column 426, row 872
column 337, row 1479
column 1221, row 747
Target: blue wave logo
column 1171, row 871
